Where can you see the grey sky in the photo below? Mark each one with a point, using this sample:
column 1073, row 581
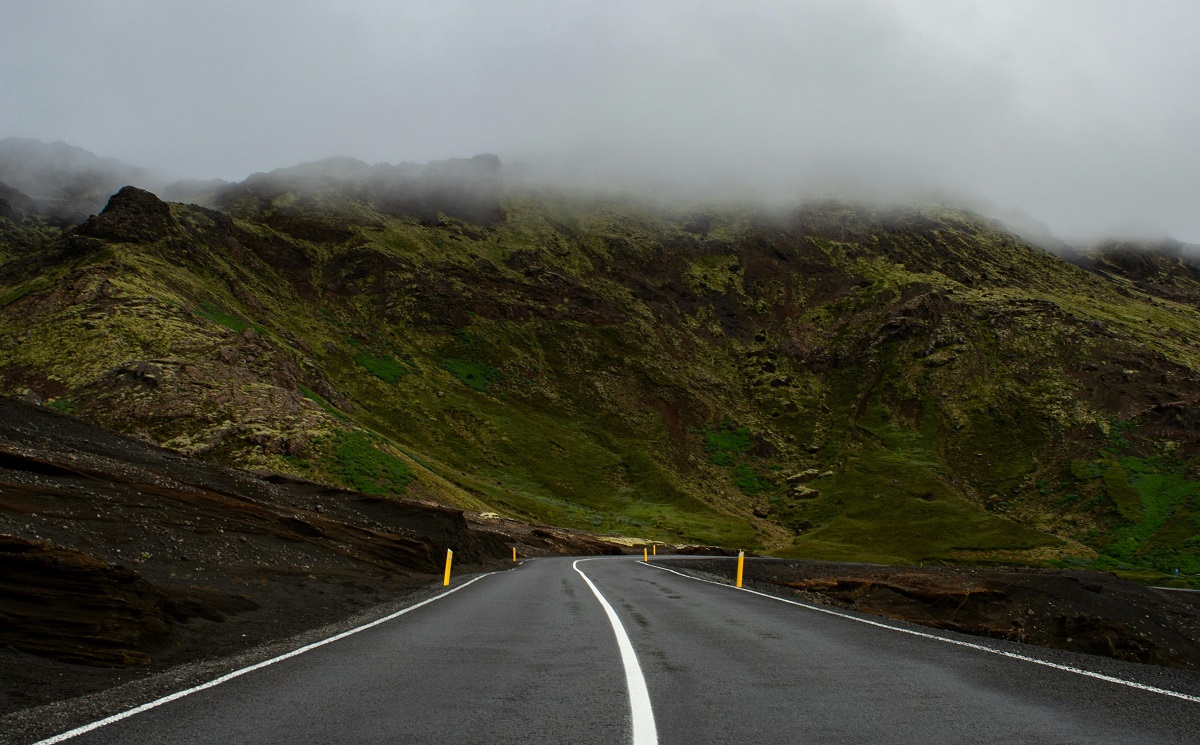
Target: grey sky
column 1085, row 115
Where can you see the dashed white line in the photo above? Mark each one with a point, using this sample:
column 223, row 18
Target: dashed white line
column 238, row 673
column 956, row 642
column 644, row 730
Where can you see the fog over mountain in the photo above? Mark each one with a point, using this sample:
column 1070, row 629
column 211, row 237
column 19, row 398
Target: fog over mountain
column 1083, row 116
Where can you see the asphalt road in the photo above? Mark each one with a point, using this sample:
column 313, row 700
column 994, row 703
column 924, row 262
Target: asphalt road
column 530, row 655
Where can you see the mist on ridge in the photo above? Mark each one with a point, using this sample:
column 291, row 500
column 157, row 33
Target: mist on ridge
column 1081, row 117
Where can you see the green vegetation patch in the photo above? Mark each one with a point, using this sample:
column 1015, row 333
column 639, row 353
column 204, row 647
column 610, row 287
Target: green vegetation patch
column 1160, row 505
column 362, row 465
column 746, row 479
column 218, row 316
column 1116, row 483
column 64, row 405
column 580, row 471
column 474, row 375
column 386, row 369
column 726, row 445
column 730, row 447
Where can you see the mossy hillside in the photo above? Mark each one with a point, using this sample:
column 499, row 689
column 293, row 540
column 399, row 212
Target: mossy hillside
column 21, row 239
column 1148, row 504
column 563, row 363
column 889, row 498
column 21, row 290
column 532, row 459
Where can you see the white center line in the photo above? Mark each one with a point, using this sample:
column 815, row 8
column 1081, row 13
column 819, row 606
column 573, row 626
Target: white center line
column 644, row 731
column 238, row 673
column 969, row 645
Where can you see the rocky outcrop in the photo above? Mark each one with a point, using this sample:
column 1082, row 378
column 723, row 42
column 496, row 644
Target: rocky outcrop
column 132, row 215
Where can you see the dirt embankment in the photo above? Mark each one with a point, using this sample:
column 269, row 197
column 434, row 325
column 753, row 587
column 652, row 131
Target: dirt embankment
column 118, row 559
column 1087, row 612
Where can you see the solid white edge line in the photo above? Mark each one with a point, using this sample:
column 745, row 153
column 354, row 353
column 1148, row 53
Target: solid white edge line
column 644, row 730
column 969, row 645
column 238, row 673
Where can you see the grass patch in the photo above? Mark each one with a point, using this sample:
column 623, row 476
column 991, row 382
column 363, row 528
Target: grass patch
column 726, row 445
column 220, row 317
column 64, row 405
column 474, row 375
column 579, row 471
column 1116, row 483
column 386, row 369
column 360, row 464
column 1159, row 506
column 1163, row 532
column 745, row 478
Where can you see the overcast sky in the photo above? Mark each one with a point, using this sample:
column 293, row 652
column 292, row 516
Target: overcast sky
column 1085, row 115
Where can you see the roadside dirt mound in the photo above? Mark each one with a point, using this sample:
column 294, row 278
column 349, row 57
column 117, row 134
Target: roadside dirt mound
column 543, row 540
column 66, row 605
column 118, row 558
column 1087, row 612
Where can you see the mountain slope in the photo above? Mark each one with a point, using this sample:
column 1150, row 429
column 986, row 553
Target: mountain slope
column 836, row 382
column 64, row 182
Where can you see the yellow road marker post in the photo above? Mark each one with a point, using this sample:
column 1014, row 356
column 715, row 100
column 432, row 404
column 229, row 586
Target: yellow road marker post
column 741, row 565
column 645, row 554
column 449, row 558
column 654, row 549
column 514, row 553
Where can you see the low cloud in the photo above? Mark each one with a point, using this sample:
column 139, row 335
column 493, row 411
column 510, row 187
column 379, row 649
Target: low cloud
column 1081, row 115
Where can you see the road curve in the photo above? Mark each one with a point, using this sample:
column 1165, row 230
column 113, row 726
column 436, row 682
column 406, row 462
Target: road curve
column 530, row 655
